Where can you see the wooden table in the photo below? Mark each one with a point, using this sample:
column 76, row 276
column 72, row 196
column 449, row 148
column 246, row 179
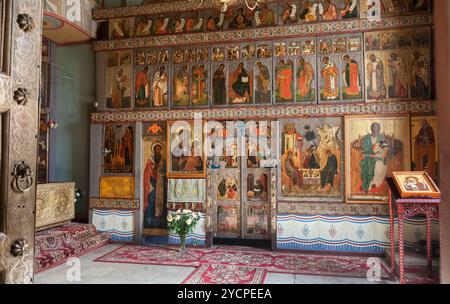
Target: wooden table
column 405, row 208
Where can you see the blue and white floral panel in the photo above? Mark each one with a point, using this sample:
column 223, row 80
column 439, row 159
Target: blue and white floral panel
column 367, row 234
column 119, row 223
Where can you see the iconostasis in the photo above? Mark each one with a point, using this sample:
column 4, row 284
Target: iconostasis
column 351, row 95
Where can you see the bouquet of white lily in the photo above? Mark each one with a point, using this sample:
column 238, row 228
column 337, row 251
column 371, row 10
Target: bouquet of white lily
column 182, row 223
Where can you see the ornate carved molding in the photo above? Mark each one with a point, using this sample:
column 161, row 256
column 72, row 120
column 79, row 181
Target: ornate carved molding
column 23, row 130
column 55, row 204
column 410, row 210
column 112, row 203
column 268, row 112
column 256, row 34
column 333, row 209
column 273, row 207
column 6, row 94
column 3, row 251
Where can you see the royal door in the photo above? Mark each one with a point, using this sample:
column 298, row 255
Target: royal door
column 241, row 186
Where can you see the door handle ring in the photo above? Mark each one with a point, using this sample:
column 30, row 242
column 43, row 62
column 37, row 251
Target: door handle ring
column 23, row 177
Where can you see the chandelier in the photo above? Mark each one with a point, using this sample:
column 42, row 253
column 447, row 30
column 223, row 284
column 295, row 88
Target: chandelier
column 224, row 4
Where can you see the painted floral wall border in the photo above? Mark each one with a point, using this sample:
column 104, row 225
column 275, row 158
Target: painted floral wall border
column 269, row 112
column 312, row 208
column 111, row 203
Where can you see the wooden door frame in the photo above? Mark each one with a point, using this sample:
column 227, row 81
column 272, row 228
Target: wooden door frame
column 19, row 130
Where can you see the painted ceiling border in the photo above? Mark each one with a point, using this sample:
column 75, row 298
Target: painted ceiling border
column 267, row 33
column 269, row 112
column 151, row 9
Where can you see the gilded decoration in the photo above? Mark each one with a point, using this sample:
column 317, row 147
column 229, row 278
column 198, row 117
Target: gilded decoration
column 117, row 187
column 106, row 203
column 55, row 204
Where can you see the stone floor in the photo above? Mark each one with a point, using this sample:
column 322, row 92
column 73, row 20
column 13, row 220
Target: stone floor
column 111, row 273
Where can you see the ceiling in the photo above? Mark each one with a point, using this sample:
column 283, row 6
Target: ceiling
column 62, row 31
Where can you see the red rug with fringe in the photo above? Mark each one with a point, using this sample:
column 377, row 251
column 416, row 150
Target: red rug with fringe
column 241, row 265
column 226, row 274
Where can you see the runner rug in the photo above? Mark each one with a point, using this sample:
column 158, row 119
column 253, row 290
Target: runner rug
column 241, row 265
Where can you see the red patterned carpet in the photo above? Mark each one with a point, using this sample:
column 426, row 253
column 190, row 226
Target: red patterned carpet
column 240, row 265
column 226, row 274
column 55, row 246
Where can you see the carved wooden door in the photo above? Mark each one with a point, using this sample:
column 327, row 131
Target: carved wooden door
column 256, row 186
column 20, row 57
column 242, row 201
column 241, row 193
